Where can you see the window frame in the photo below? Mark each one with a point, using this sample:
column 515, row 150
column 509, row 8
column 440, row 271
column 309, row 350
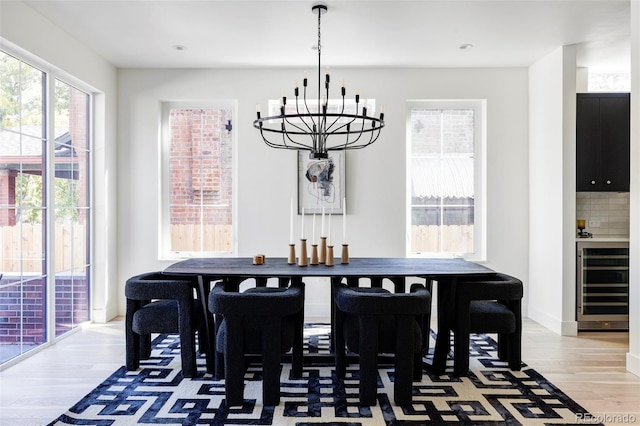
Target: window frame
column 49, row 274
column 164, row 219
column 479, row 173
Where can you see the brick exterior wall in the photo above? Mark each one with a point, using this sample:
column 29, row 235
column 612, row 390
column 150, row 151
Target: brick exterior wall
column 201, row 166
column 28, row 300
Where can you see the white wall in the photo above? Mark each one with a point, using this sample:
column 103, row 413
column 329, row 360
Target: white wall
column 24, row 31
column 375, row 176
column 633, row 356
column 552, row 82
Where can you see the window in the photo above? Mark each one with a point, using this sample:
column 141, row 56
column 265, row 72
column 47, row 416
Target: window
column 445, row 140
column 197, row 188
column 45, row 154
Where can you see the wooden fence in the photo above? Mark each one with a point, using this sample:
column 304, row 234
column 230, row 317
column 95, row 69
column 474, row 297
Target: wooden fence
column 454, row 238
column 24, row 242
column 217, row 238
column 21, row 248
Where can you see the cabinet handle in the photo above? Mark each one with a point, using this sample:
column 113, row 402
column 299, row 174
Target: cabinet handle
column 608, row 182
column 593, row 182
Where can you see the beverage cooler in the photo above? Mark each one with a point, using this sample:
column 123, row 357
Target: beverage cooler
column 603, row 285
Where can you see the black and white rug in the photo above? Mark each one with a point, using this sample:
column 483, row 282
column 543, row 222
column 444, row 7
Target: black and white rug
column 158, row 394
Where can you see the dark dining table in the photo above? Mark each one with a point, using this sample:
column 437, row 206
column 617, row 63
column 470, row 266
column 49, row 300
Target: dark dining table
column 444, row 272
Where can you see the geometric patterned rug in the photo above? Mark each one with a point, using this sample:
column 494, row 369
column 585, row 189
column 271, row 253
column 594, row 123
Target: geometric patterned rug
column 158, row 394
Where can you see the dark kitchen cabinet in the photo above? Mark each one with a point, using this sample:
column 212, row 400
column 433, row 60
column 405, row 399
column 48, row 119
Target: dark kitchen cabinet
column 602, row 139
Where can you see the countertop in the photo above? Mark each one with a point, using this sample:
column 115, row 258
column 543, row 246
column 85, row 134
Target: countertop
column 603, row 239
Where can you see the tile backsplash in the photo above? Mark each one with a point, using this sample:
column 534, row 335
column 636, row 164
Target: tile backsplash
column 610, row 209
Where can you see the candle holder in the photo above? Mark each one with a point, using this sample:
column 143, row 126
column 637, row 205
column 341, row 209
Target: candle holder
column 329, row 260
column 302, row 259
column 292, row 254
column 314, row 254
column 323, row 250
column 344, row 257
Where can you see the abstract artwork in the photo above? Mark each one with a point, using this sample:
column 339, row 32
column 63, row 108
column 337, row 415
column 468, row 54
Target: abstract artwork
column 321, row 183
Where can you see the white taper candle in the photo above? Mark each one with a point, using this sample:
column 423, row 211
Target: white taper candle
column 344, row 221
column 291, row 222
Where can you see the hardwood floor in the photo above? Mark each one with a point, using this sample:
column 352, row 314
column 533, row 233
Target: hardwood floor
column 589, row 368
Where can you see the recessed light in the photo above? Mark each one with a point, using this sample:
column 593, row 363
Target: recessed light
column 465, row 46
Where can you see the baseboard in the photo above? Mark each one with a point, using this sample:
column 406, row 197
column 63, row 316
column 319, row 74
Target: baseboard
column 563, row 328
column 633, row 364
column 102, row 316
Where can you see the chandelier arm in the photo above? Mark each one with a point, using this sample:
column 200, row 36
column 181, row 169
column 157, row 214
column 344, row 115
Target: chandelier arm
column 358, row 132
column 309, row 128
column 338, row 116
column 284, row 141
column 372, row 139
column 354, row 144
column 309, row 113
column 286, row 118
column 286, row 135
column 342, row 147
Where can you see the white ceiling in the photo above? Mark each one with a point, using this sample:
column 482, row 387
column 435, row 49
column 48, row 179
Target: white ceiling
column 355, row 33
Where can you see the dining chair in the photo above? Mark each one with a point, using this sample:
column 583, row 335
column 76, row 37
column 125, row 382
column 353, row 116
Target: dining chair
column 488, row 305
column 399, row 283
column 267, row 321
column 158, row 303
column 370, row 321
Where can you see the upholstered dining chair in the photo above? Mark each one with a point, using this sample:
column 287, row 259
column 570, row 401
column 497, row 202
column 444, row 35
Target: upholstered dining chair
column 488, row 305
column 399, row 284
column 267, row 321
column 158, row 303
column 371, row 321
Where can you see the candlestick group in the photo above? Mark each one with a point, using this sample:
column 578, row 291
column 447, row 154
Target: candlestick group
column 320, row 250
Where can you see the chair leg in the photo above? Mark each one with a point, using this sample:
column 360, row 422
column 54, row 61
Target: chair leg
column 504, row 347
column 145, row 345
column 132, row 343
column 296, row 351
column 271, row 364
column 417, row 367
column 219, row 360
column 368, row 360
column 426, row 332
column 188, row 354
column 461, row 339
column 403, row 369
column 132, row 350
column 461, row 353
column 234, row 364
column 515, row 351
column 340, row 349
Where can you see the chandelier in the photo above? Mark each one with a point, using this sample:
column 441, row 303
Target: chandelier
column 303, row 126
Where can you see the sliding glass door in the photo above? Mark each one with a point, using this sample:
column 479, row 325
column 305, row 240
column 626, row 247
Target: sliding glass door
column 44, row 207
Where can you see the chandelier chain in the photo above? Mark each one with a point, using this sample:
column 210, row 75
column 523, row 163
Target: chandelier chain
column 319, row 35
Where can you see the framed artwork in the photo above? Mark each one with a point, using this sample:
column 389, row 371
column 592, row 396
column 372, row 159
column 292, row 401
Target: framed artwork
column 321, row 183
